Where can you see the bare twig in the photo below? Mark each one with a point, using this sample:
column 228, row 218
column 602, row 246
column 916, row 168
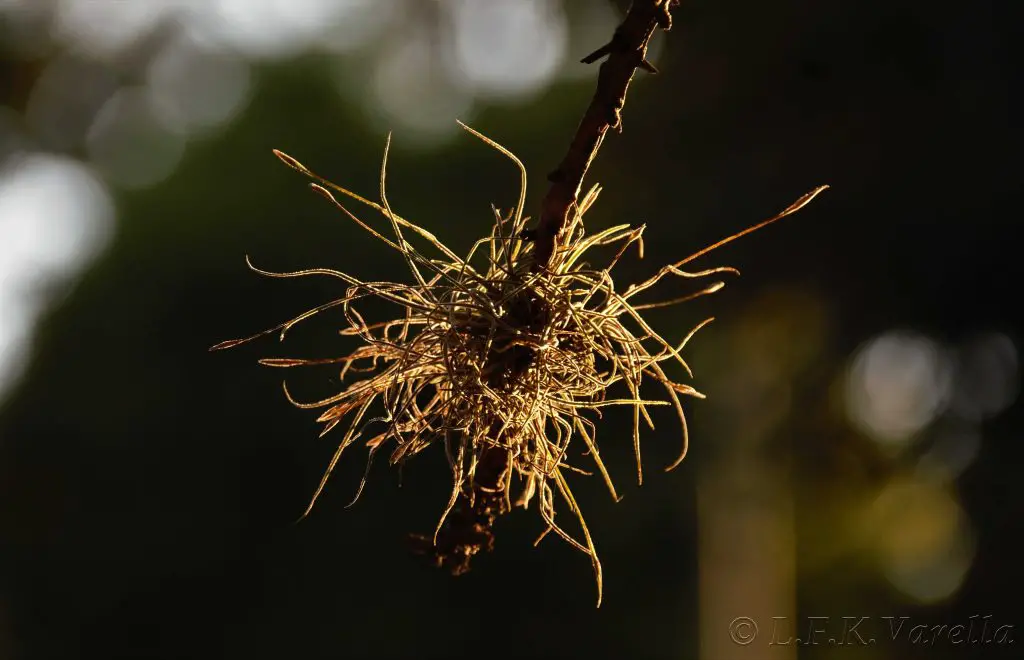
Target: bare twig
column 469, row 530
column 626, row 52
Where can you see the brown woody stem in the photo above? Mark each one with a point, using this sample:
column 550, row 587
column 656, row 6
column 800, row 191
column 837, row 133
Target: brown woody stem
column 468, row 529
column 626, row 52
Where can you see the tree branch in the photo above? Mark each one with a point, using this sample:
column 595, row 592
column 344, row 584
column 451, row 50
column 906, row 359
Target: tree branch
column 626, row 52
column 468, row 529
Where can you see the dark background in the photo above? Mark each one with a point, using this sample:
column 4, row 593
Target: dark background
column 149, row 488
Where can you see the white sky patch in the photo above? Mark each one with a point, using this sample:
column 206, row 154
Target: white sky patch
column 103, row 27
column 411, row 88
column 488, row 49
column 55, row 217
column 193, row 87
column 16, row 320
column 273, row 28
column 257, row 28
column 128, row 144
column 361, row 23
column 503, row 48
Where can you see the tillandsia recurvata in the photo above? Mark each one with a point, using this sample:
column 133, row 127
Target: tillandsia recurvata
column 504, row 357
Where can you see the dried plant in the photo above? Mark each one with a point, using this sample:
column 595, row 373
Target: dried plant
column 503, row 357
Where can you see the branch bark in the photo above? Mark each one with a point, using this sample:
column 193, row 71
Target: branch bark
column 468, row 528
column 626, row 52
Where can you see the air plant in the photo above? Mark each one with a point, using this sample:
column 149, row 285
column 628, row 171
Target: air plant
column 504, row 357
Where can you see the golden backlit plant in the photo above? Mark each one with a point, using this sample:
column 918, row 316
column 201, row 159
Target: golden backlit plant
column 505, row 356
column 499, row 361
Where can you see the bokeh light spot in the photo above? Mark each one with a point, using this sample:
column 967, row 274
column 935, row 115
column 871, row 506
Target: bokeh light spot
column 987, row 377
column 273, row 29
column 898, row 383
column 506, row 47
column 951, row 452
column 65, row 99
column 103, row 27
column 55, row 216
column 411, row 88
column 129, row 145
column 922, row 538
column 194, row 87
column 361, row 22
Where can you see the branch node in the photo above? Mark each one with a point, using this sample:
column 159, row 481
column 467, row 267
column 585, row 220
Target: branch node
column 626, row 52
column 647, row 66
column 597, row 54
column 663, row 16
column 614, row 117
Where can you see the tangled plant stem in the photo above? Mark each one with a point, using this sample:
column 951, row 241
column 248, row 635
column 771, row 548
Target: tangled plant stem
column 498, row 357
column 504, row 357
